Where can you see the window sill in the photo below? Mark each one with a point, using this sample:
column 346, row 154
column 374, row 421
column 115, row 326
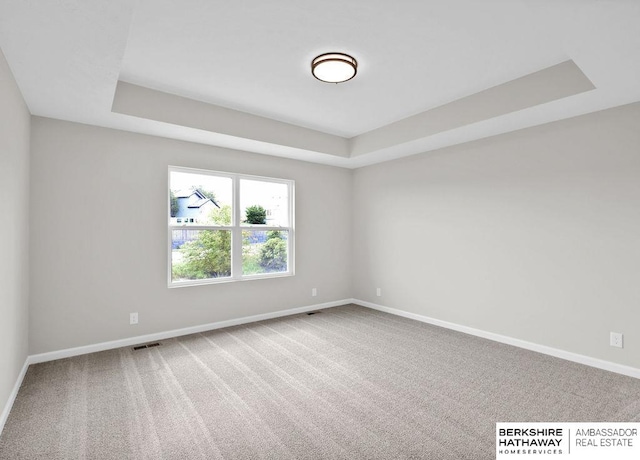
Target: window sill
column 260, row 276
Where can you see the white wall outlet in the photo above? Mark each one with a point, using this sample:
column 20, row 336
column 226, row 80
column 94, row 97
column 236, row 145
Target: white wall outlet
column 615, row 339
column 314, row 292
column 378, row 292
column 133, row 318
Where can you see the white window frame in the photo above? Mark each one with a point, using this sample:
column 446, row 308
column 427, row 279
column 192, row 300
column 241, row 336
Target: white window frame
column 236, row 228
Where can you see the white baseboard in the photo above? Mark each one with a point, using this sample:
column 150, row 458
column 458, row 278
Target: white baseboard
column 69, row 352
column 14, row 393
column 569, row 356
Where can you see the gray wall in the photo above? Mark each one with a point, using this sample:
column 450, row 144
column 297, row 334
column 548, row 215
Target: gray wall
column 533, row 234
column 99, row 238
column 14, row 231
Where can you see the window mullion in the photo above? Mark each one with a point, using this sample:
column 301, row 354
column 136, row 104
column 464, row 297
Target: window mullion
column 200, row 227
column 258, row 228
column 236, row 238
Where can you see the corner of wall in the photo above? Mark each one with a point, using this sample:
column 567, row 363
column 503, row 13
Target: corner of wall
column 15, row 127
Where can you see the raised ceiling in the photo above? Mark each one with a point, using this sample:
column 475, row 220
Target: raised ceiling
column 237, row 74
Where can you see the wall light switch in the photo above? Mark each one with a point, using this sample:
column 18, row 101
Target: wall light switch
column 314, row 292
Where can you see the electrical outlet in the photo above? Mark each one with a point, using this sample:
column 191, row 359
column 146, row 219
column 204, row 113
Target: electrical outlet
column 615, row 339
column 378, row 292
column 133, row 318
column 314, row 292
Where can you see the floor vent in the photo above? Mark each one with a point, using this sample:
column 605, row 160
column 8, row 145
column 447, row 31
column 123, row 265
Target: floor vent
column 149, row 345
column 313, row 313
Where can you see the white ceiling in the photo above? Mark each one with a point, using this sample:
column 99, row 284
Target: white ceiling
column 253, row 56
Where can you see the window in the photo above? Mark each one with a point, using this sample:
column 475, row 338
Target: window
column 228, row 227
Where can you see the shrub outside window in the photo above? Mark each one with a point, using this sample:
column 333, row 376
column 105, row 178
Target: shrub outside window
column 228, row 227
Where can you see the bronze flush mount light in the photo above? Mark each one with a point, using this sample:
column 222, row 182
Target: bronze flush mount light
column 334, row 67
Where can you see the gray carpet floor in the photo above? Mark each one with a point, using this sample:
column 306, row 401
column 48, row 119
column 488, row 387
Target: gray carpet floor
column 346, row 383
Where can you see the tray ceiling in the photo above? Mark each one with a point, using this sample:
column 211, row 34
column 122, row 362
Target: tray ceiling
column 237, row 74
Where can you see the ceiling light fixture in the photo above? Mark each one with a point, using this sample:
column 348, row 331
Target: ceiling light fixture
column 334, row 67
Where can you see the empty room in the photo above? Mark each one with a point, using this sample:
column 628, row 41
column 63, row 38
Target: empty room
column 320, row 230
